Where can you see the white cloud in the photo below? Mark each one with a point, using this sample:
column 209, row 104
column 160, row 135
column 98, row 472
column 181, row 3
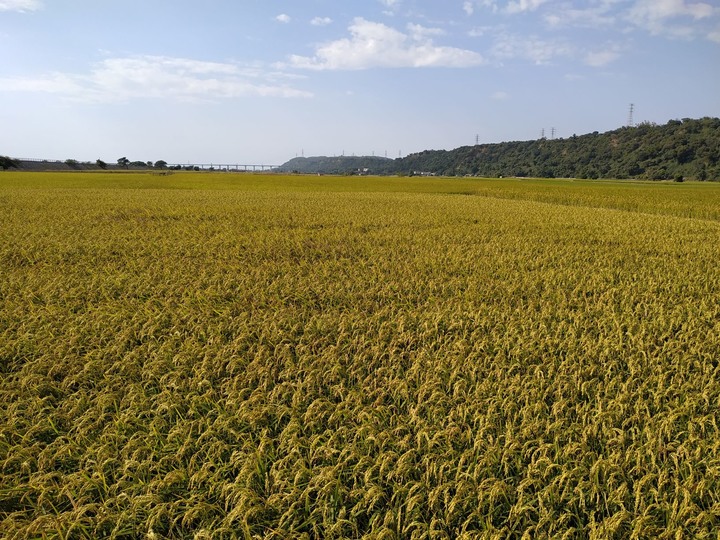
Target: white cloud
column 532, row 48
column 20, row 5
column 377, row 45
column 283, row 18
column 500, row 96
column 602, row 57
column 663, row 16
column 469, row 5
column 480, row 31
column 599, row 15
column 664, row 9
column 519, row 6
column 54, row 83
column 421, row 33
column 141, row 77
column 393, row 6
column 321, row 21
column 714, row 36
column 671, row 18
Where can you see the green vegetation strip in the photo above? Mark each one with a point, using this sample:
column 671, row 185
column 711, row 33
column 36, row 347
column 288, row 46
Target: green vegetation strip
column 239, row 356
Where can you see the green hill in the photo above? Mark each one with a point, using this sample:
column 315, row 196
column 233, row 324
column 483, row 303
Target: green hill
column 681, row 149
column 339, row 165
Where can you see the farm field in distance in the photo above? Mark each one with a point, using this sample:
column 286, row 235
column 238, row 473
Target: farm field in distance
column 210, row 355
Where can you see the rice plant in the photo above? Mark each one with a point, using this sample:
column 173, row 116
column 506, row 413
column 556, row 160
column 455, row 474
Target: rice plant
column 289, row 357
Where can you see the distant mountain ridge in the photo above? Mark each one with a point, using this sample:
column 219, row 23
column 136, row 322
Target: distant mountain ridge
column 339, row 165
column 686, row 149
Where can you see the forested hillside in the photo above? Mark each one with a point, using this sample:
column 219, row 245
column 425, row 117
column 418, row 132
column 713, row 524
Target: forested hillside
column 681, row 149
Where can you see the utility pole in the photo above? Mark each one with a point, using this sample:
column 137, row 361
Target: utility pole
column 630, row 122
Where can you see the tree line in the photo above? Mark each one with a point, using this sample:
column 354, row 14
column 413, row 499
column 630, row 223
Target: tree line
column 122, row 163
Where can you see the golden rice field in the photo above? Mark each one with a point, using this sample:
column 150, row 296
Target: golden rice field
column 235, row 356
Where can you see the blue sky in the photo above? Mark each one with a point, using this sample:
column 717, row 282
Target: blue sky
column 261, row 81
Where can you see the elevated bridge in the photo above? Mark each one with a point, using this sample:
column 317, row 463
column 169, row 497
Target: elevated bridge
column 224, row 166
